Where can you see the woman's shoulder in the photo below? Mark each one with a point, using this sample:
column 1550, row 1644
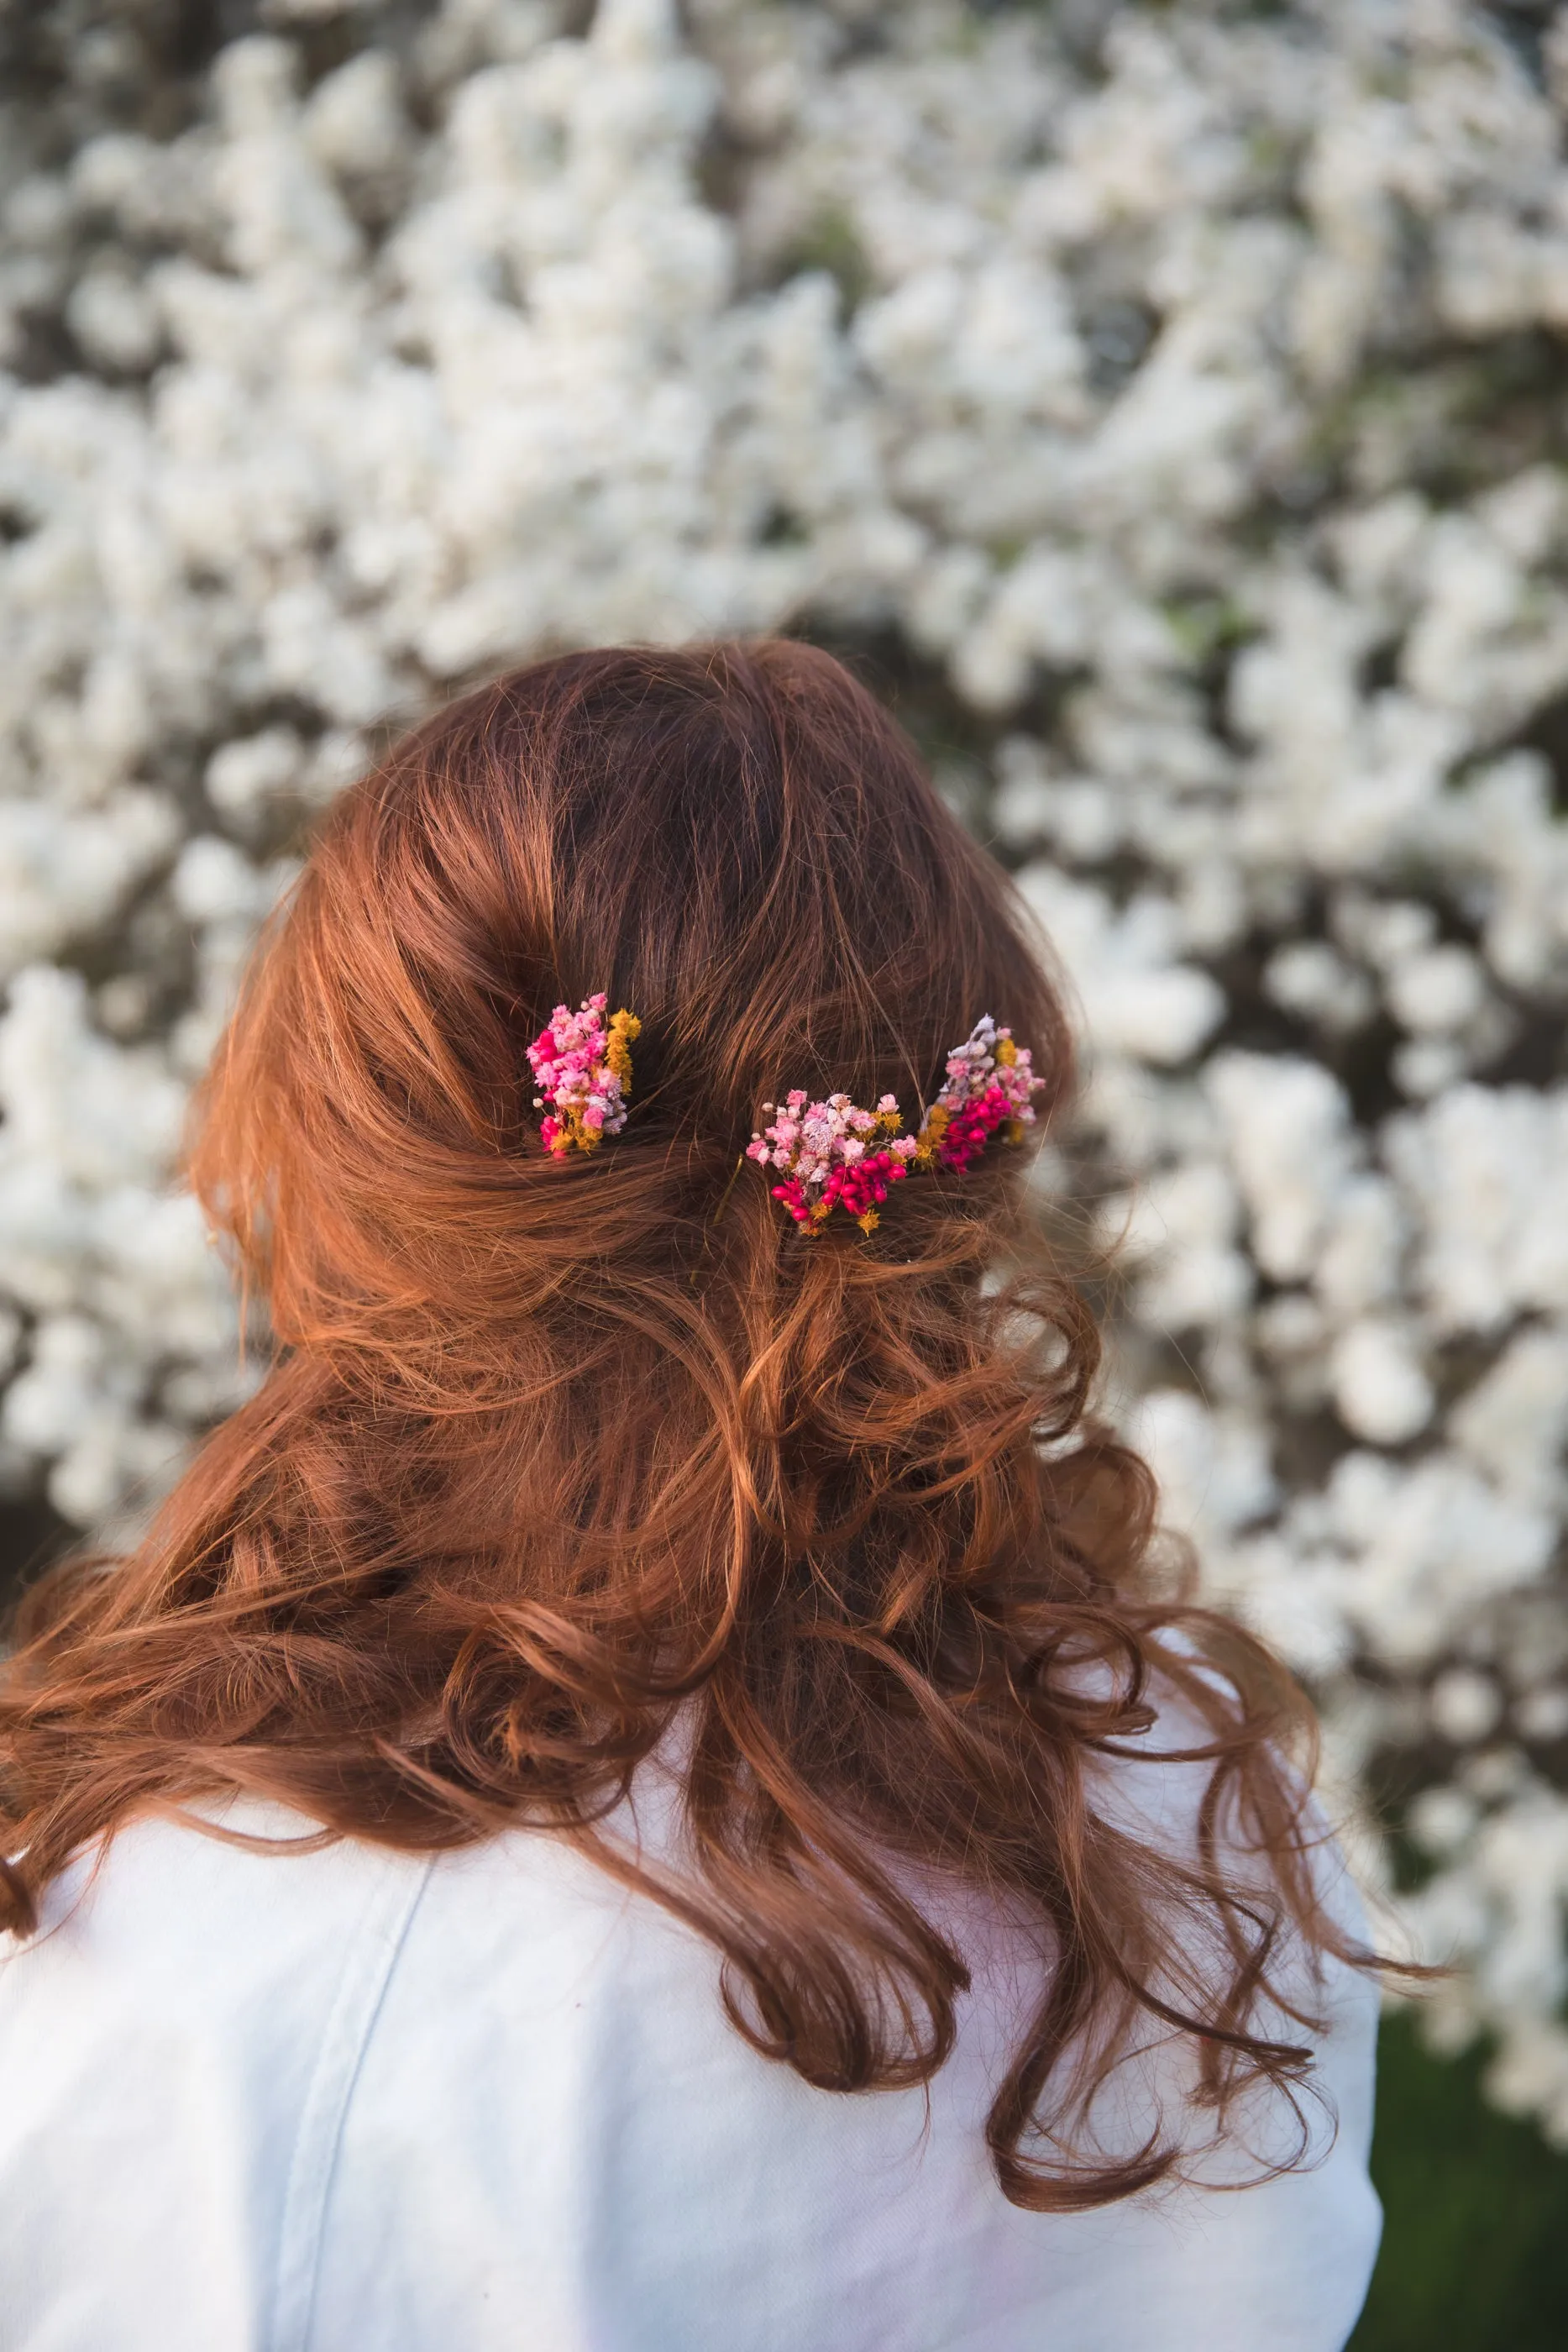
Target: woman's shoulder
column 242, row 1948
column 245, row 1920
column 181, row 2039
column 204, row 1919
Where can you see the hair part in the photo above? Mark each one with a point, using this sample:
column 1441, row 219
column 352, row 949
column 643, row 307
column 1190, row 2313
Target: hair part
column 559, row 1459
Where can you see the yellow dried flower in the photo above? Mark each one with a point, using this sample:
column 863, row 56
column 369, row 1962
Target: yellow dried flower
column 928, row 1142
column 622, row 1034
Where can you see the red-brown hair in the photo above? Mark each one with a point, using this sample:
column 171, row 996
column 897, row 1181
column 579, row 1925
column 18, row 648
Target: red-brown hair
column 552, row 1450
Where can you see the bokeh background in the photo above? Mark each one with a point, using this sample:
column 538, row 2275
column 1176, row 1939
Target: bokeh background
column 1166, row 408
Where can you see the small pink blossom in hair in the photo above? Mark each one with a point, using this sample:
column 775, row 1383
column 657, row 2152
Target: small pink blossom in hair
column 583, row 1069
column 990, row 1084
column 832, row 1155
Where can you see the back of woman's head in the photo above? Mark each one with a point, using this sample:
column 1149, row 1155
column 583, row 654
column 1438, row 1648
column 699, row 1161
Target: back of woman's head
column 736, row 844
column 565, row 1456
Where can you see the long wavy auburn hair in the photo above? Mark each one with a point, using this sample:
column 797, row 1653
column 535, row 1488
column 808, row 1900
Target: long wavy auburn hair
column 555, row 1458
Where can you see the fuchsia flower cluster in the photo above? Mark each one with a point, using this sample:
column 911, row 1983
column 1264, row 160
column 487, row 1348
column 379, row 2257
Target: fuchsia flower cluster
column 583, row 1069
column 990, row 1084
column 833, row 1155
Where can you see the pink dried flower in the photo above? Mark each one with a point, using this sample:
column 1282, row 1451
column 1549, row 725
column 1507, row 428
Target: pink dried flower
column 584, row 1072
column 990, row 1084
column 834, row 1154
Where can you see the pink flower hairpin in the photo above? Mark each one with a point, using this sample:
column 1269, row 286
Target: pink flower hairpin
column 829, row 1154
column 583, row 1069
column 990, row 1084
column 832, row 1155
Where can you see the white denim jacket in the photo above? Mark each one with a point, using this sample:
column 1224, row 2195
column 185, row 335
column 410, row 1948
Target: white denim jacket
column 347, row 2101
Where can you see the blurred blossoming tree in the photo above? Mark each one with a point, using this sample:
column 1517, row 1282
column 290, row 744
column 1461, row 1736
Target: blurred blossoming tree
column 1169, row 399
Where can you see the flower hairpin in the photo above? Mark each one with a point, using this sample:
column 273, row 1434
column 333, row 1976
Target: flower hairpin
column 989, row 1085
column 583, row 1069
column 832, row 1155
